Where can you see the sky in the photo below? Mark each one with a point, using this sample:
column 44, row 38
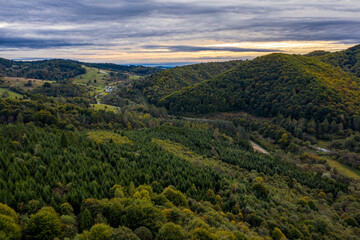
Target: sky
column 173, row 31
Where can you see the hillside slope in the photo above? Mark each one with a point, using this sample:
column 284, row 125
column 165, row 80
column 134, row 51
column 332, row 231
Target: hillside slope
column 162, row 84
column 296, row 86
column 348, row 60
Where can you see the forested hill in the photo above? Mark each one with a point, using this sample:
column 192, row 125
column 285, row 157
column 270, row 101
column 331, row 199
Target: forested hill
column 291, row 85
column 60, row 69
column 348, row 60
column 55, row 69
column 161, row 84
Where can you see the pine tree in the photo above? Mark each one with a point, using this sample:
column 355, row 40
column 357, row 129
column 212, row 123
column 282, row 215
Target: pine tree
column 20, row 118
column 63, row 141
column 86, row 220
column 131, row 189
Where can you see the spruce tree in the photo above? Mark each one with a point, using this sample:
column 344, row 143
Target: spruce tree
column 86, row 220
column 63, row 141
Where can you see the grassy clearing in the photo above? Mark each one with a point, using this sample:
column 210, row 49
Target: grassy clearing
column 102, row 78
column 20, row 82
column 105, row 107
column 341, row 168
column 11, row 93
column 322, row 144
column 177, row 149
column 344, row 170
column 106, row 137
column 134, row 77
column 94, row 78
column 91, row 75
column 186, row 154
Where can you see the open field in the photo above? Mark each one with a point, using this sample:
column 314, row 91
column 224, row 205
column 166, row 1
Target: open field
column 91, row 75
column 20, row 82
column 134, row 77
column 323, row 144
column 103, row 107
column 341, row 168
column 94, row 79
column 11, row 93
column 106, row 137
column 344, row 170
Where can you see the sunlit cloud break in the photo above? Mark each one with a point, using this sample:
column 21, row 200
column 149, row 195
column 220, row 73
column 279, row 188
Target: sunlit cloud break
column 186, row 48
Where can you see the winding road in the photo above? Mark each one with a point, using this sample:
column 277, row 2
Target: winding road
column 257, row 148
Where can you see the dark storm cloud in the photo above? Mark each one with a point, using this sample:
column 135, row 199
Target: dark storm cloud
column 30, row 59
column 184, row 48
column 18, row 42
column 303, row 29
column 337, row 30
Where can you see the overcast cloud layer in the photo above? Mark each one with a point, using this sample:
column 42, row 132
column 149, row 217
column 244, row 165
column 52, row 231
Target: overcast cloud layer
column 129, row 31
